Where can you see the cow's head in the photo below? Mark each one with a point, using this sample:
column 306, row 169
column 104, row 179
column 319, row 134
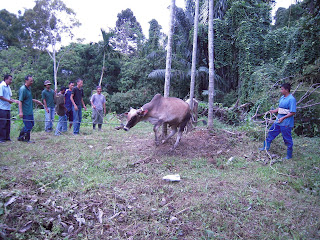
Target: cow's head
column 133, row 117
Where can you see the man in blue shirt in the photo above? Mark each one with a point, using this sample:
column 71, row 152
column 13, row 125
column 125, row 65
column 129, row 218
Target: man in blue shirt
column 284, row 122
column 5, row 107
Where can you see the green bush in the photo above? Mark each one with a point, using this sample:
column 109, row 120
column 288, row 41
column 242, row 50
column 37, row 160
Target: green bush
column 39, row 120
column 121, row 102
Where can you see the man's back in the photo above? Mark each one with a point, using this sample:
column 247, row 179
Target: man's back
column 60, row 107
column 68, row 103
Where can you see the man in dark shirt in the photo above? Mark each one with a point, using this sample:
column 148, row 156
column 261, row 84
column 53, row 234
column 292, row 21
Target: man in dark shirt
column 77, row 101
column 68, row 104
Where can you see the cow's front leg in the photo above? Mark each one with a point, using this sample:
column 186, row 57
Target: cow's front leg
column 173, row 132
column 155, row 129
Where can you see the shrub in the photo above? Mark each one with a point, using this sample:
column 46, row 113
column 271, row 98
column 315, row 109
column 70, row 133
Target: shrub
column 121, row 102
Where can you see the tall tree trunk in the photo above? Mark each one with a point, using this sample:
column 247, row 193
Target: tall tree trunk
column 102, row 71
column 211, row 65
column 55, row 70
column 194, row 54
column 169, row 51
column 168, row 61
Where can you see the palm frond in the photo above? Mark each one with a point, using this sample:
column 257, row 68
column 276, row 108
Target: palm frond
column 203, row 69
column 157, row 74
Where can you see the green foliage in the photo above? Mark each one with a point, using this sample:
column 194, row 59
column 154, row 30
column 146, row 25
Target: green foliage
column 121, row 102
column 48, row 21
column 288, row 17
column 39, row 120
column 12, row 31
column 128, row 33
column 229, row 99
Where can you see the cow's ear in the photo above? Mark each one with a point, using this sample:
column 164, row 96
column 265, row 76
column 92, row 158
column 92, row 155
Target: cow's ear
column 143, row 112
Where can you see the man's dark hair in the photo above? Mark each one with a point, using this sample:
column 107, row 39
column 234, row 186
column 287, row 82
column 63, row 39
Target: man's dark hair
column 27, row 77
column 286, row 86
column 71, row 82
column 62, row 88
column 79, row 80
column 98, row 87
column 6, row 76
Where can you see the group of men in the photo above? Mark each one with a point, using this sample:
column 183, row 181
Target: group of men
column 67, row 104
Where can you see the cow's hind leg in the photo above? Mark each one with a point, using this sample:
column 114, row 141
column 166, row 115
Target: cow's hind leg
column 181, row 129
column 178, row 138
column 173, row 132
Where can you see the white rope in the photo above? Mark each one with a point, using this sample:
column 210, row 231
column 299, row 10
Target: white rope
column 267, row 120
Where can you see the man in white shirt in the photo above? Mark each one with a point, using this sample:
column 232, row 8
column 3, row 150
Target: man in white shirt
column 98, row 103
column 5, row 108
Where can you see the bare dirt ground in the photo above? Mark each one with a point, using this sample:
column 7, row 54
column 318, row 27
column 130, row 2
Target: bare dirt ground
column 197, row 143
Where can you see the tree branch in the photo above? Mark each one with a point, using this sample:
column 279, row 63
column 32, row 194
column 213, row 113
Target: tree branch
column 310, row 105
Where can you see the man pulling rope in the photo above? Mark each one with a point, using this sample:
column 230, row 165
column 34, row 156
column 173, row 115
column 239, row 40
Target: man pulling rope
column 284, row 122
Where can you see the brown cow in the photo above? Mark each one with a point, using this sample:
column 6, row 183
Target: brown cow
column 172, row 111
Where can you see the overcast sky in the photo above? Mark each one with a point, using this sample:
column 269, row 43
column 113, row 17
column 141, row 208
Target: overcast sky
column 97, row 14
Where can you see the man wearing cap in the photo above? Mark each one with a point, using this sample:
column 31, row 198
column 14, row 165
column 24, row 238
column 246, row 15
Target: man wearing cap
column 48, row 102
column 26, row 109
column 5, row 107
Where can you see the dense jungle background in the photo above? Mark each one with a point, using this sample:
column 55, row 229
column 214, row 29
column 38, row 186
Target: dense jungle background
column 254, row 53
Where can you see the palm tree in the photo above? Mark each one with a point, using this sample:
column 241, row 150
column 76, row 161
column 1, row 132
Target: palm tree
column 107, row 49
column 211, row 65
column 194, row 54
column 169, row 51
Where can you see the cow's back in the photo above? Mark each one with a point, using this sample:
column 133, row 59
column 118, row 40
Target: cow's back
column 171, row 110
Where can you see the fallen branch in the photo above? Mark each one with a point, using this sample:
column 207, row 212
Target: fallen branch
column 306, row 106
column 114, row 216
column 182, row 211
column 229, row 132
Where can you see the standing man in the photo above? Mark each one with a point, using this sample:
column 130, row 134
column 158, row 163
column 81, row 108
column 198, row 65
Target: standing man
column 68, row 104
column 48, row 102
column 26, row 109
column 98, row 103
column 5, row 107
column 61, row 111
column 284, row 122
column 77, row 100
